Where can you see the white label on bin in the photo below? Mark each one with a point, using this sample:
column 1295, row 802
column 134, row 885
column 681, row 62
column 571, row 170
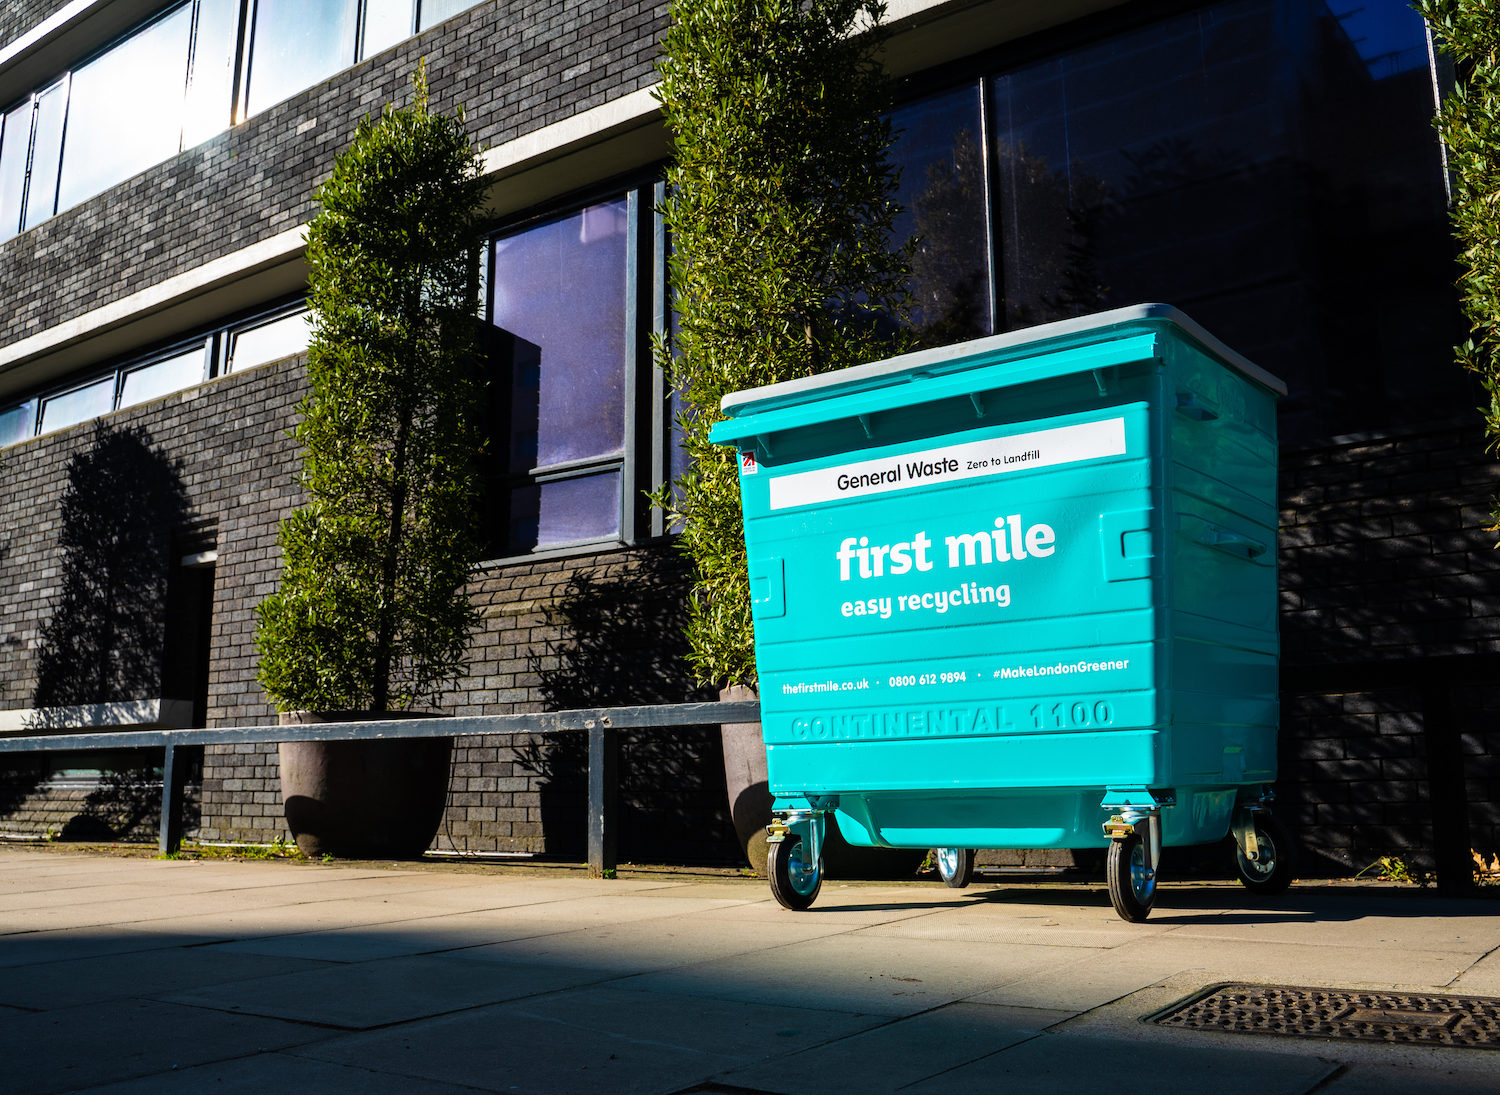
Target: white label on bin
column 951, row 463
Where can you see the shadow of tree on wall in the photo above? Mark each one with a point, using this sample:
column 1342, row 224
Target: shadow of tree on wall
column 103, row 641
column 620, row 642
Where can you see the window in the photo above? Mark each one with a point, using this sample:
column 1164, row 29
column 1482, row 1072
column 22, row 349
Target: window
column 565, row 350
column 146, row 382
column 1268, row 166
column 112, row 135
column 46, row 149
column 17, row 422
column 172, row 84
column 210, row 90
column 79, row 405
column 15, row 146
column 269, row 341
column 295, row 44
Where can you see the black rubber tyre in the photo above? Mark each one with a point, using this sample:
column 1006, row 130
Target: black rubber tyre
column 956, row 866
column 794, row 882
column 1132, row 890
column 1273, row 872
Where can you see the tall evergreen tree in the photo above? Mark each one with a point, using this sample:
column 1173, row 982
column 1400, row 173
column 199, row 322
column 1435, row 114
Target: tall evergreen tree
column 781, row 203
column 1469, row 31
column 372, row 611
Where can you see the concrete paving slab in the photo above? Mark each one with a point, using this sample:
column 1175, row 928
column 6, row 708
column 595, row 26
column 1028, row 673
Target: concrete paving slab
column 588, row 1042
column 75, row 1048
column 644, row 946
column 379, row 993
column 1482, row 978
column 1380, row 1079
column 996, row 919
column 1063, row 1062
column 848, row 973
column 260, row 1073
column 30, row 948
column 897, row 1054
column 1328, row 963
column 121, row 976
column 1089, row 981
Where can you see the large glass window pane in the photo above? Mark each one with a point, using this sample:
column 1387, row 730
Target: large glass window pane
column 125, row 108
column 567, row 511
column 269, row 342
column 17, row 422
column 162, row 377
column 559, row 292
column 295, row 44
column 1268, row 166
column 939, row 149
column 435, row 11
column 210, row 96
column 386, row 23
column 46, row 153
column 79, row 405
column 15, row 142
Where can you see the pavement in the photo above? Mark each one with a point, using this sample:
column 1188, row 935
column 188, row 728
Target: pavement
column 133, row 974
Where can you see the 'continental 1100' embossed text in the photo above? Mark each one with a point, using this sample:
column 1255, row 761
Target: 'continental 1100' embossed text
column 956, row 721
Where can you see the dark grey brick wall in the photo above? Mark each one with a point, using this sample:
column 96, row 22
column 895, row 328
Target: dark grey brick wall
column 1389, row 594
column 514, row 67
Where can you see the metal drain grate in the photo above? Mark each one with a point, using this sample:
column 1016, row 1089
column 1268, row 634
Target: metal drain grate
column 1472, row 1021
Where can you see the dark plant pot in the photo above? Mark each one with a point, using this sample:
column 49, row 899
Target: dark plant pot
column 363, row 799
column 747, row 781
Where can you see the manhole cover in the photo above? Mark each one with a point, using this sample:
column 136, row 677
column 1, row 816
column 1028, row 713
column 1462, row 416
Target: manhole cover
column 1472, row 1021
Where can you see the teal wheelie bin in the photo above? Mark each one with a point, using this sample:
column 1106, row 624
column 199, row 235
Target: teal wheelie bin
column 1019, row 592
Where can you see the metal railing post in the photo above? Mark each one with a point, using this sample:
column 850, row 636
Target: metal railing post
column 604, row 753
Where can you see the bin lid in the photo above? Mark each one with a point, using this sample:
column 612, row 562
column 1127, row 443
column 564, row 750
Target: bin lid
column 1029, row 345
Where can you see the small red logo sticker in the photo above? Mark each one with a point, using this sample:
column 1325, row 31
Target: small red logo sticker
column 748, row 465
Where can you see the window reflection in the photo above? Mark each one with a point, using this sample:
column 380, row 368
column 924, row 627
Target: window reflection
column 162, row 377
column 46, row 151
column 79, row 405
column 269, row 341
column 295, row 44
column 435, row 11
column 558, row 304
column 15, row 143
column 1268, row 167
column 386, row 23
column 114, row 133
column 210, row 94
column 17, row 422
column 940, row 154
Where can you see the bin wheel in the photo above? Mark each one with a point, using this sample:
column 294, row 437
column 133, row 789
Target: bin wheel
column 794, row 881
column 956, row 865
column 1272, row 873
column 1132, row 886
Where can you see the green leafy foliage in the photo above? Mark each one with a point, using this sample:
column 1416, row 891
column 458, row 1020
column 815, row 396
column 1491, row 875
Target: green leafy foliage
column 781, row 203
column 372, row 612
column 1469, row 31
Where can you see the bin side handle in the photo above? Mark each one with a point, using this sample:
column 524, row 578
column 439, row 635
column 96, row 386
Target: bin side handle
column 1231, row 543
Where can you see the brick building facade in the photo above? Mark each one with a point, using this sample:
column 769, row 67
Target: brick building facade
column 1389, row 587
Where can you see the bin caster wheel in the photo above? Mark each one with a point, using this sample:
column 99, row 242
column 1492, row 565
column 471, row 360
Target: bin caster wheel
column 1132, row 885
column 956, row 865
column 1271, row 874
column 794, row 881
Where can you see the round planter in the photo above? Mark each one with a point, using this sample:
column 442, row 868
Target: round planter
column 745, row 779
column 363, row 799
column 747, row 782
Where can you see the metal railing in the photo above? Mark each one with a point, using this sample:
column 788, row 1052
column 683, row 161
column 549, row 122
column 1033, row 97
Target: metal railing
column 601, row 724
